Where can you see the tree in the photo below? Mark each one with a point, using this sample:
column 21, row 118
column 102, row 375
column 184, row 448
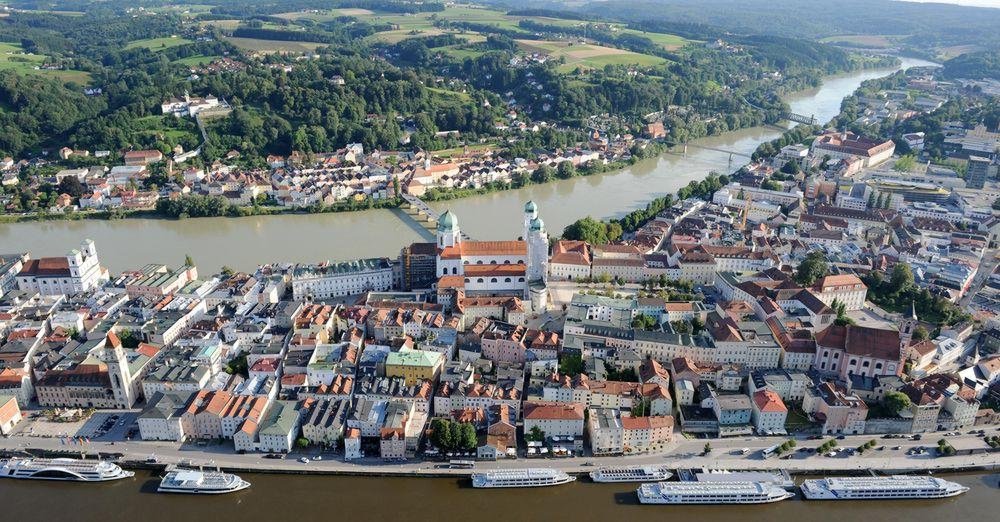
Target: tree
column 469, row 438
column 535, row 434
column 571, row 364
column 895, row 401
column 644, row 322
column 905, row 163
column 902, row 278
column 227, row 271
column 707, row 449
column 841, row 309
column 880, row 201
column 565, row 170
column 920, row 333
column 441, row 434
column 587, row 229
column 812, row 268
column 302, row 442
column 71, row 185
column 188, row 261
column 543, row 174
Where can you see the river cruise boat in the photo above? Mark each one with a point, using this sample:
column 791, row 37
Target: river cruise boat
column 630, row 474
column 201, row 482
column 865, row 488
column 78, row 470
column 779, row 478
column 520, row 478
column 711, row 493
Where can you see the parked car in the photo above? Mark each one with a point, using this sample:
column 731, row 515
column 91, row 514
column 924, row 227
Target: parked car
column 304, row 460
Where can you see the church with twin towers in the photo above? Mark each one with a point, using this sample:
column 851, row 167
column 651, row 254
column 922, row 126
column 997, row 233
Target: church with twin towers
column 495, row 268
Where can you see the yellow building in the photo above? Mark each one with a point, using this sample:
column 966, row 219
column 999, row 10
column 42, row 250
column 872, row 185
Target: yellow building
column 414, row 365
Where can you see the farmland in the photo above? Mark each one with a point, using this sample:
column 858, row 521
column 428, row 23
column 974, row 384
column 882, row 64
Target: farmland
column 586, row 55
column 158, row 44
column 13, row 58
column 273, row 46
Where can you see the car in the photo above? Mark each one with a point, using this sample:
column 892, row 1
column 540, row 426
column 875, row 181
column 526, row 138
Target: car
column 304, row 460
column 897, row 448
column 318, row 457
column 841, row 437
column 588, row 463
column 273, row 456
column 917, row 436
column 880, row 448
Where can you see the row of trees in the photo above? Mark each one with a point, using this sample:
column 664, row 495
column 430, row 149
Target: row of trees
column 448, row 435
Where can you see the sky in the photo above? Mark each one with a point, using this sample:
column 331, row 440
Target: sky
column 977, row 3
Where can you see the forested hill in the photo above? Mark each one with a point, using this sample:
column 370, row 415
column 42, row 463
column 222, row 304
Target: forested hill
column 979, row 65
column 921, row 24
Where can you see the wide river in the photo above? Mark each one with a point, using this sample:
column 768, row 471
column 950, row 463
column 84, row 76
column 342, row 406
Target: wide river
column 242, row 243
column 277, row 498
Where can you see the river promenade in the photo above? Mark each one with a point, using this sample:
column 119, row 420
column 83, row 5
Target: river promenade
column 685, row 453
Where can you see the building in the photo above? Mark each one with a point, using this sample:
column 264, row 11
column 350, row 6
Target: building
column 978, row 173
column 414, row 366
column 848, row 145
column 769, row 412
column 839, row 411
column 858, row 350
column 554, row 419
column 847, row 289
column 494, row 267
column 10, row 414
column 418, row 266
column 330, row 280
column 161, row 418
column 77, row 271
column 326, row 421
column 279, row 428
column 570, row 261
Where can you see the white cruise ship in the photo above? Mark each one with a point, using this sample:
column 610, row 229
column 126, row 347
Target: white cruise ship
column 201, row 482
column 520, row 478
column 711, row 493
column 630, row 474
column 896, row 486
column 62, row 469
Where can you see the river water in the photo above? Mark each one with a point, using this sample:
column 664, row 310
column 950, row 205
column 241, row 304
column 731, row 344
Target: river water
column 242, row 243
column 280, row 498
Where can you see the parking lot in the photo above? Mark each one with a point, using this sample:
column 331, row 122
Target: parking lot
column 101, row 426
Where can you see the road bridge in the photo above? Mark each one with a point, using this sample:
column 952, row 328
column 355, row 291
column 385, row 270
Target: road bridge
column 423, row 214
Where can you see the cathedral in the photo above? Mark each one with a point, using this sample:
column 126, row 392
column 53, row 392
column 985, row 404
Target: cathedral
column 492, row 268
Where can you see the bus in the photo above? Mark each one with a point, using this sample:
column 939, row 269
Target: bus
column 462, row 464
column 767, row 452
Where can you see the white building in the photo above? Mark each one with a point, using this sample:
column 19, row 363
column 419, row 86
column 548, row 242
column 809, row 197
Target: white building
column 77, row 271
column 329, row 280
column 768, row 412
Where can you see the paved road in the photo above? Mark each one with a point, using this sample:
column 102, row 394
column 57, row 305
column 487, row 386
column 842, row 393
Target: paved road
column 686, row 453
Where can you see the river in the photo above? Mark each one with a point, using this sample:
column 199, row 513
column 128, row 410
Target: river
column 242, row 243
column 307, row 498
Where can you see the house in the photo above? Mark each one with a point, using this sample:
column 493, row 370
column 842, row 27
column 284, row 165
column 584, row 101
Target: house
column 10, row 414
column 138, row 158
column 414, row 365
column 352, row 444
column 769, row 412
column 326, row 421
column 554, row 419
column 279, row 427
column 161, row 418
column 501, row 436
column 840, row 411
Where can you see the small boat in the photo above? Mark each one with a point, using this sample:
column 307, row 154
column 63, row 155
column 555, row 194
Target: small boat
column 630, row 474
column 520, row 478
column 201, row 482
column 744, row 492
column 76, row 470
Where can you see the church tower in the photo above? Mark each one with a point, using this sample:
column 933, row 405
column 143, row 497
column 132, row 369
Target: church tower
column 906, row 329
column 448, row 232
column 530, row 213
column 114, row 357
column 538, row 245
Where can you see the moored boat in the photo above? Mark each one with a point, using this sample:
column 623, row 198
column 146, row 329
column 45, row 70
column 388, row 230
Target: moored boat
column 77, row 470
column 872, row 488
column 201, row 482
column 744, row 492
column 630, row 474
column 520, row 478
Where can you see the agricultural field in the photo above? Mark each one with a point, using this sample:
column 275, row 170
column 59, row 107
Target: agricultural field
column 226, row 25
column 13, row 58
column 587, row 56
column 194, row 61
column 325, row 16
column 273, row 46
column 158, row 44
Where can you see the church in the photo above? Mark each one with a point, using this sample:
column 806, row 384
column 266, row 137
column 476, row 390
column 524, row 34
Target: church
column 495, row 268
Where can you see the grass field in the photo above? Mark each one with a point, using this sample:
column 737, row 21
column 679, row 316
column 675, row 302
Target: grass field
column 227, row 25
column 158, row 44
column 860, row 40
column 193, row 61
column 13, row 58
column 273, row 46
column 455, row 95
column 587, row 55
column 155, row 126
